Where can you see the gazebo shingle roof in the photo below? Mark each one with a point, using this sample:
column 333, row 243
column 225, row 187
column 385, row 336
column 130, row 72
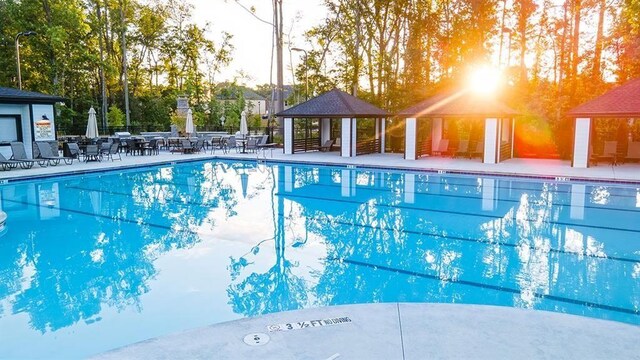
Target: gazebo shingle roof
column 10, row 95
column 621, row 101
column 334, row 104
column 460, row 103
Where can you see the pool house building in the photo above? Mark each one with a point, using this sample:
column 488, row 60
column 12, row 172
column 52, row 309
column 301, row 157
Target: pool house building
column 489, row 125
column 621, row 104
column 334, row 119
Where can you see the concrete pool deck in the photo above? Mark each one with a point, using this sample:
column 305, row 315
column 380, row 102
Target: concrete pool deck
column 398, row 331
column 518, row 167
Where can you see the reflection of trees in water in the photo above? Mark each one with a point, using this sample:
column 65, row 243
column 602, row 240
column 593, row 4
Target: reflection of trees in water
column 277, row 289
column 64, row 271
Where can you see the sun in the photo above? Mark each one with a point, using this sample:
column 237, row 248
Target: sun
column 484, row 80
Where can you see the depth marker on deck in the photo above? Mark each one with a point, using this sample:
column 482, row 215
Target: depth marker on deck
column 308, row 324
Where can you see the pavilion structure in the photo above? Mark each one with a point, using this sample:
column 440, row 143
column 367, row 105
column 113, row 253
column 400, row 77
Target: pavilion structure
column 621, row 103
column 334, row 117
column 425, row 123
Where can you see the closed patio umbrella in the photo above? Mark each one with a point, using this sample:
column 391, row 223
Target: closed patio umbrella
column 188, row 127
column 244, row 130
column 92, row 125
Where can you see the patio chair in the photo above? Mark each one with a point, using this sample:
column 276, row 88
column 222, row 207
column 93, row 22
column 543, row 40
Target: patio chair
column 104, row 148
column 230, row 144
column 442, row 149
column 19, row 153
column 186, row 146
column 609, row 153
column 46, row 153
column 199, row 145
column 463, row 149
column 92, row 153
column 8, row 164
column 327, row 145
column 114, row 149
column 252, row 145
column 152, row 147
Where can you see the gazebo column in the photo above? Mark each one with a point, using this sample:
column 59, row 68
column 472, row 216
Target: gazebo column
column 491, row 140
column 410, row 138
column 381, row 132
column 437, row 126
column 348, row 137
column 581, row 143
column 325, row 130
column 288, row 136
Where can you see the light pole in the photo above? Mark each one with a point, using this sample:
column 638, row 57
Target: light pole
column 26, row 33
column 306, row 72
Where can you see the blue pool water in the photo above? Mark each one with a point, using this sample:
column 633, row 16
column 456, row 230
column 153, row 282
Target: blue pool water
column 93, row 262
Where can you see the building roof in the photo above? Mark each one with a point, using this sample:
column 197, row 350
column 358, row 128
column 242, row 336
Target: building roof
column 621, row 101
column 334, row 104
column 251, row 95
column 10, row 95
column 459, row 104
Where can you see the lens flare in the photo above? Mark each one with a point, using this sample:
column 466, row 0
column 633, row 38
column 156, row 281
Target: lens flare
column 484, row 80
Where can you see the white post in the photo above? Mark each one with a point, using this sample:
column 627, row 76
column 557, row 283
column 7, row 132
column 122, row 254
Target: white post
column 490, row 141
column 345, row 137
column 354, row 132
column 409, row 188
column 325, row 130
column 288, row 136
column 383, row 134
column 581, row 143
column 436, row 132
column 410, row 136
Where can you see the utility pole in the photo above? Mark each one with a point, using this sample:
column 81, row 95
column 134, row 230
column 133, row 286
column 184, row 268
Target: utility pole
column 26, row 33
column 277, row 17
column 124, row 65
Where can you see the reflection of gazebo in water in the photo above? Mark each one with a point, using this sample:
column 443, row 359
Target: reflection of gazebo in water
column 620, row 104
column 334, row 115
column 491, row 137
column 332, row 192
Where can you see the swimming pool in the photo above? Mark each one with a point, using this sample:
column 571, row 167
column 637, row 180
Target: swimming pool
column 97, row 261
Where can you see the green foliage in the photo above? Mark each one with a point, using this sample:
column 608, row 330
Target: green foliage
column 115, row 116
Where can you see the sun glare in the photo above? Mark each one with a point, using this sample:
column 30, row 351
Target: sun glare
column 484, row 80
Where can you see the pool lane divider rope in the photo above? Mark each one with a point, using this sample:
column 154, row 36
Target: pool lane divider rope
column 588, row 304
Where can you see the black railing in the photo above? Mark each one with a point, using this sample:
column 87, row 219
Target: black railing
column 307, row 144
column 368, row 147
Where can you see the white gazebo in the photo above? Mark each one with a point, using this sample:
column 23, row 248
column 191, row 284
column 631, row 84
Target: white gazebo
column 621, row 103
column 496, row 140
column 309, row 125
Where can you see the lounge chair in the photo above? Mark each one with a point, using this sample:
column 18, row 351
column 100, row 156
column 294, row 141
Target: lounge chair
column 442, row 149
column 463, row 149
column 47, row 154
column 609, row 153
column 479, row 150
column 8, row 164
column 327, row 145
column 17, row 148
column 73, row 150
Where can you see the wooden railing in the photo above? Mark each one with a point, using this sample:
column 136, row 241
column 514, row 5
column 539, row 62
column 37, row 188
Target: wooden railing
column 505, row 151
column 304, row 145
column 368, row 147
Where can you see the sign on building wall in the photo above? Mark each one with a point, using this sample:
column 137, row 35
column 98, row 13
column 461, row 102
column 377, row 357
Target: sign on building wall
column 43, row 123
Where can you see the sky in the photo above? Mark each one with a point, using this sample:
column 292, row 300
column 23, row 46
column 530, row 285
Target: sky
column 252, row 38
